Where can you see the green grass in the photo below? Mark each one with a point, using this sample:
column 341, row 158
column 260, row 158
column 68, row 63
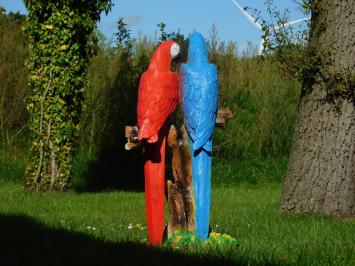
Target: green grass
column 57, row 229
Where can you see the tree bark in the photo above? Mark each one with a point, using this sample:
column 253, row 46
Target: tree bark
column 321, row 170
column 180, row 190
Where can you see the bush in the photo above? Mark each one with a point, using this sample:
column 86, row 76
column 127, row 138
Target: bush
column 264, row 104
column 13, row 74
column 13, row 156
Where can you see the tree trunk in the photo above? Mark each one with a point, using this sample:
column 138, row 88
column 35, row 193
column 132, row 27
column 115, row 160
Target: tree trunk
column 321, row 171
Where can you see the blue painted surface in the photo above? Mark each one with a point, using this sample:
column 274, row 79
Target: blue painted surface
column 199, row 85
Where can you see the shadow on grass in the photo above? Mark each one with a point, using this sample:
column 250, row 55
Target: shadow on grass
column 24, row 241
column 116, row 169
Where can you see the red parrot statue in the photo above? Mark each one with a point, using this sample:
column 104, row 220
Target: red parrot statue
column 158, row 95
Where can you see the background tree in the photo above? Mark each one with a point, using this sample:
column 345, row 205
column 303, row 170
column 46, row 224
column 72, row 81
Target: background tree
column 61, row 41
column 321, row 169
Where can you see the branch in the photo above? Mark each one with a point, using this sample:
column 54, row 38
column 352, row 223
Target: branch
column 40, row 129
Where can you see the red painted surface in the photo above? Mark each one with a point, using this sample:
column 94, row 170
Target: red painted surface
column 158, row 96
column 154, row 173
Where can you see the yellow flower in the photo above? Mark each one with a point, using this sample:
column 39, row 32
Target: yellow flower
column 214, row 234
column 138, row 226
column 227, row 236
column 177, row 238
column 48, row 27
column 63, row 47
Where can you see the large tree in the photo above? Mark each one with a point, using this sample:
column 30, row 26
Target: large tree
column 321, row 171
column 61, row 41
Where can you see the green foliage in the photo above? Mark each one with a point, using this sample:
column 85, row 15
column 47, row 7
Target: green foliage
column 13, row 88
column 339, row 85
column 123, row 34
column 11, row 169
column 310, row 65
column 13, row 75
column 264, row 104
column 110, row 104
column 187, row 242
column 61, row 41
column 12, row 164
column 262, row 98
column 254, row 170
column 164, row 36
column 276, row 35
column 13, row 156
column 110, row 99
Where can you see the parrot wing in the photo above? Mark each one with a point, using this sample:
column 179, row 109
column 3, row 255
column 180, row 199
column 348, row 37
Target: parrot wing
column 187, row 95
column 157, row 98
column 200, row 98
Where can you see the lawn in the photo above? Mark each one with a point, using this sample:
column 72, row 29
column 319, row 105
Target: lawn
column 108, row 228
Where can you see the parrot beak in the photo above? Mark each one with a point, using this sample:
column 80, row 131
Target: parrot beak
column 174, row 50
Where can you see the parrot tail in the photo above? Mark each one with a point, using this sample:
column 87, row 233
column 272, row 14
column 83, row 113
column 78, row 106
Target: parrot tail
column 201, row 173
column 154, row 172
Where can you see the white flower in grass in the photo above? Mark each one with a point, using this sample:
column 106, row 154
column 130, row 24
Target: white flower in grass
column 88, row 227
column 130, row 226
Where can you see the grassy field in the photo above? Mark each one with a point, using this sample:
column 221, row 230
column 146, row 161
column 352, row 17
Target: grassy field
column 108, row 228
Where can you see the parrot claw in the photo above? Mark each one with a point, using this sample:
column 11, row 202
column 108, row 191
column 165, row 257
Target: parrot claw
column 153, row 139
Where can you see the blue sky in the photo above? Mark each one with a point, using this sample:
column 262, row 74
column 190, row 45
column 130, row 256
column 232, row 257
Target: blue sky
column 186, row 15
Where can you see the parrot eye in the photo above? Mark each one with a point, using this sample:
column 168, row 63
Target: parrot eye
column 174, row 50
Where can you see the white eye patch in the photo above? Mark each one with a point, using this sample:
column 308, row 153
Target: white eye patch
column 174, row 50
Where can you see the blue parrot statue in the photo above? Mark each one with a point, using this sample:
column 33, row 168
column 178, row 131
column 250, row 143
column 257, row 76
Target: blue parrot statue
column 199, row 90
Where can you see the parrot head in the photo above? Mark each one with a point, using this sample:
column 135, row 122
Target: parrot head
column 197, row 49
column 163, row 56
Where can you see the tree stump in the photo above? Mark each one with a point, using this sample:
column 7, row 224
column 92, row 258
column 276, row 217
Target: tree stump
column 180, row 190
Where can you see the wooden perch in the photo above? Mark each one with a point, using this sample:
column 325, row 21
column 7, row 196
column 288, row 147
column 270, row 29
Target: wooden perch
column 223, row 114
column 131, row 134
column 180, row 190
